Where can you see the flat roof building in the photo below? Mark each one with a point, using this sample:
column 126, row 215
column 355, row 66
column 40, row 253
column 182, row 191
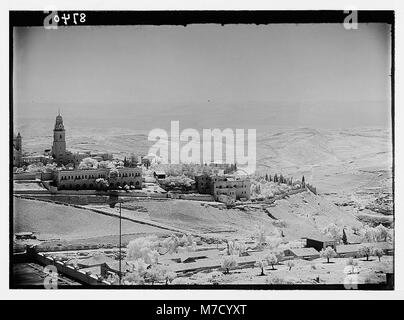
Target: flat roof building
column 87, row 179
column 217, row 185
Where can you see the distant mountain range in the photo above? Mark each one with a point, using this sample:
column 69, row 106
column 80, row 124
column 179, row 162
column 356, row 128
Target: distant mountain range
column 316, row 153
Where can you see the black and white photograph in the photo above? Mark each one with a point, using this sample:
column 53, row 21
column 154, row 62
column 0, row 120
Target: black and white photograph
column 202, row 150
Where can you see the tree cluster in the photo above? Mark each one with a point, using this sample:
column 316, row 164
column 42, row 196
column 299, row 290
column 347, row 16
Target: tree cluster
column 181, row 183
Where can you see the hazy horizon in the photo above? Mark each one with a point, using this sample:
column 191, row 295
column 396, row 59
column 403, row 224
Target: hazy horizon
column 205, row 76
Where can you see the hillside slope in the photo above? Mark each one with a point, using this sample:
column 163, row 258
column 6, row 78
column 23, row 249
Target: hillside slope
column 305, row 215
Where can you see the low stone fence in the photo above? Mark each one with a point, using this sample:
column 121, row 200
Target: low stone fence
column 30, row 192
column 24, row 176
column 295, row 191
column 33, row 176
column 66, row 269
column 196, row 197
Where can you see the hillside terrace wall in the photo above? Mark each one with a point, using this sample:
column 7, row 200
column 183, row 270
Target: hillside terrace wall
column 24, row 176
column 33, row 176
column 196, row 197
column 30, row 192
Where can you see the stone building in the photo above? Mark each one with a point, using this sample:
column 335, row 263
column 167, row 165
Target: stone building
column 222, row 168
column 234, row 188
column 223, row 185
column 17, row 150
column 86, row 179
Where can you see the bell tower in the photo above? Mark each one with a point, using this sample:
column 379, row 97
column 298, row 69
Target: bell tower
column 18, row 142
column 59, row 142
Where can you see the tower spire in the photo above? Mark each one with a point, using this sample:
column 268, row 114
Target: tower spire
column 59, row 111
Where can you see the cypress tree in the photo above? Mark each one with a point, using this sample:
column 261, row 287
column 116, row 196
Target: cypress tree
column 344, row 238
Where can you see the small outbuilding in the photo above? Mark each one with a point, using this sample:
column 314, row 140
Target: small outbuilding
column 319, row 243
column 159, row 175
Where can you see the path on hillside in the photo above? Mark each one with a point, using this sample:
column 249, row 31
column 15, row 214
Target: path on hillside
column 125, row 216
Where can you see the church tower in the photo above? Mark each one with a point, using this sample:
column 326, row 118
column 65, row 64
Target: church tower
column 18, row 142
column 59, row 142
column 17, row 150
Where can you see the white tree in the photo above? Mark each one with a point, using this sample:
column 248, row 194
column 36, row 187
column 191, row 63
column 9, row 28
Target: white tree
column 136, row 273
column 328, row 253
column 141, row 273
column 382, row 233
column 50, row 167
column 366, row 250
column 183, row 244
column 260, row 237
column 271, row 259
column 143, row 248
column 261, row 263
column 36, row 167
column 229, row 263
column 368, row 234
column 106, row 164
column 154, row 274
column 290, row 264
column 88, row 163
column 132, row 278
column 169, row 276
column 378, row 252
column 171, row 244
column 138, row 264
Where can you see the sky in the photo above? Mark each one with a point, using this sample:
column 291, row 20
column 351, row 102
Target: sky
column 313, row 75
